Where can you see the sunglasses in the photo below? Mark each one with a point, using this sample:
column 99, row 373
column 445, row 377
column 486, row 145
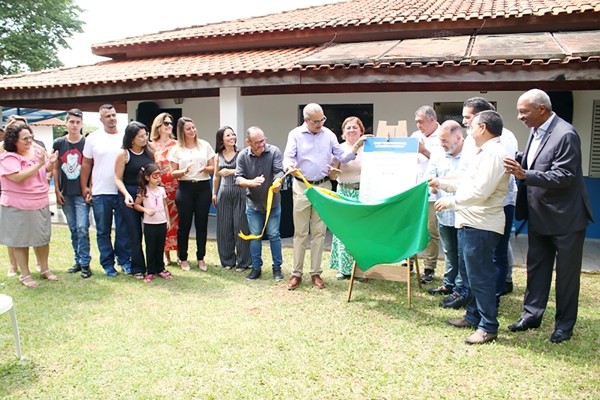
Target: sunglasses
column 167, row 123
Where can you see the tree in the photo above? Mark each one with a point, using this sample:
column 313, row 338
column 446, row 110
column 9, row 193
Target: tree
column 32, row 32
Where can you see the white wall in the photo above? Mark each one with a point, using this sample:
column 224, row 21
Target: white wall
column 277, row 114
column 44, row 133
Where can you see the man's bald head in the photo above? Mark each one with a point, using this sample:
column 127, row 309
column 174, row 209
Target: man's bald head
column 451, row 137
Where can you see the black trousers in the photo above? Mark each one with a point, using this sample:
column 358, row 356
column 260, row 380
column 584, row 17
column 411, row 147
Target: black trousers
column 544, row 250
column 154, row 238
column 193, row 203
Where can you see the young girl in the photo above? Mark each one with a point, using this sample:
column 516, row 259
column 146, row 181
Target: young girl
column 151, row 200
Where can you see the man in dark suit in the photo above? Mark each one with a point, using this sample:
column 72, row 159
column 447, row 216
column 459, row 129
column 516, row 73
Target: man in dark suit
column 558, row 211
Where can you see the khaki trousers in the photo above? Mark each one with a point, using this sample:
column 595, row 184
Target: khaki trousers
column 431, row 252
column 307, row 222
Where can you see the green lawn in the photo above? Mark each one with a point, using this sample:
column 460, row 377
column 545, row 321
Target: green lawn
column 217, row 336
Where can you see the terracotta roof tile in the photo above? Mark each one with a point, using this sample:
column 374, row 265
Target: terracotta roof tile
column 365, row 12
column 439, row 52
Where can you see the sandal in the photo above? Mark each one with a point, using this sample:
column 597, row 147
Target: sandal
column 165, row 274
column 28, row 281
column 185, row 266
column 47, row 274
column 139, row 276
column 11, row 273
column 148, row 278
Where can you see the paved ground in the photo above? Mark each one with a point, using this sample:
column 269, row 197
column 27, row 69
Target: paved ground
column 591, row 249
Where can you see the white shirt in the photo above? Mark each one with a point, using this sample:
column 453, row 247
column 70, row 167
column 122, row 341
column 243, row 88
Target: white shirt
column 431, row 142
column 480, row 192
column 103, row 148
column 509, row 141
column 198, row 155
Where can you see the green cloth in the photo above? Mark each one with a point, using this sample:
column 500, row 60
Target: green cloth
column 386, row 231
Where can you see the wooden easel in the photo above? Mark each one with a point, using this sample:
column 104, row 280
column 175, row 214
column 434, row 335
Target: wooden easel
column 388, row 272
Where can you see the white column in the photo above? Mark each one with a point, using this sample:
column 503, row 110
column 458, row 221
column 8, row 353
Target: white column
column 231, row 108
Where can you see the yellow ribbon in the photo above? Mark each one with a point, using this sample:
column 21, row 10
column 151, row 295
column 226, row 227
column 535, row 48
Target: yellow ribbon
column 273, row 186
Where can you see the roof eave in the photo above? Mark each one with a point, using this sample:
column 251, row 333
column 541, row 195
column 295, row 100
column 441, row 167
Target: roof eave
column 352, row 33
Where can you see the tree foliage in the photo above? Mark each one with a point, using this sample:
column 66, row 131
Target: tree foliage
column 32, row 32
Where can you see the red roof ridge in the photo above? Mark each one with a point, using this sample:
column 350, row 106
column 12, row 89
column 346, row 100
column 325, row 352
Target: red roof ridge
column 355, row 13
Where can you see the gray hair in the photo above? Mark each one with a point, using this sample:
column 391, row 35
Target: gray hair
column 453, row 127
column 251, row 130
column 538, row 97
column 428, row 111
column 311, row 108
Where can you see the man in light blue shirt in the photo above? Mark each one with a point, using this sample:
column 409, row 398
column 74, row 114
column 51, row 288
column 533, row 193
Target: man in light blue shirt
column 444, row 162
column 309, row 150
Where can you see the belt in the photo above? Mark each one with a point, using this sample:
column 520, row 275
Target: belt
column 192, row 181
column 313, row 182
column 353, row 186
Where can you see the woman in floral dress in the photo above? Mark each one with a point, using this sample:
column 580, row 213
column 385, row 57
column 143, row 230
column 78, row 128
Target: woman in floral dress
column 348, row 177
column 163, row 141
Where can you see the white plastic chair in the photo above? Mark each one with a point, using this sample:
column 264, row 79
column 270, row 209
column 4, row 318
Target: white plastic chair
column 6, row 304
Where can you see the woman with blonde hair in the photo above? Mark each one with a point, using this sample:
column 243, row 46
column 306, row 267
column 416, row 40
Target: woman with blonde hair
column 161, row 135
column 192, row 161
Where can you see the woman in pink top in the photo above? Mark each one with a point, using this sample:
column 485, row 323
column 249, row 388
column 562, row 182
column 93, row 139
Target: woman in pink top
column 24, row 203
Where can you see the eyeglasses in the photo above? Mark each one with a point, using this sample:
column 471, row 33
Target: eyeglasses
column 167, row 123
column 319, row 121
column 27, row 139
column 155, row 175
column 259, row 142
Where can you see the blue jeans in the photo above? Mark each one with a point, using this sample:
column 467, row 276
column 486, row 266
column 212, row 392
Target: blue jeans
column 77, row 212
column 133, row 221
column 256, row 221
column 501, row 251
column 105, row 206
column 449, row 240
column 476, row 249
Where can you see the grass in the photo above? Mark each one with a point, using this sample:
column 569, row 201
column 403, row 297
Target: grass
column 217, row 336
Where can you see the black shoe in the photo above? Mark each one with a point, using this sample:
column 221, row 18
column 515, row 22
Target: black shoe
column 522, row 325
column 85, row 271
column 427, row 277
column 74, row 268
column 508, row 288
column 277, row 274
column 455, row 300
column 559, row 336
column 254, row 274
column 440, row 290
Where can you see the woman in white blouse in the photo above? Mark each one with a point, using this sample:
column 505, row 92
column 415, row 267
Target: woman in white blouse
column 192, row 162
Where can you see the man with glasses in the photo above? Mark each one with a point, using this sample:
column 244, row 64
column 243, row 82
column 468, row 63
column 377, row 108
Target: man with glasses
column 99, row 155
column 258, row 165
column 67, row 186
column 428, row 131
column 309, row 150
